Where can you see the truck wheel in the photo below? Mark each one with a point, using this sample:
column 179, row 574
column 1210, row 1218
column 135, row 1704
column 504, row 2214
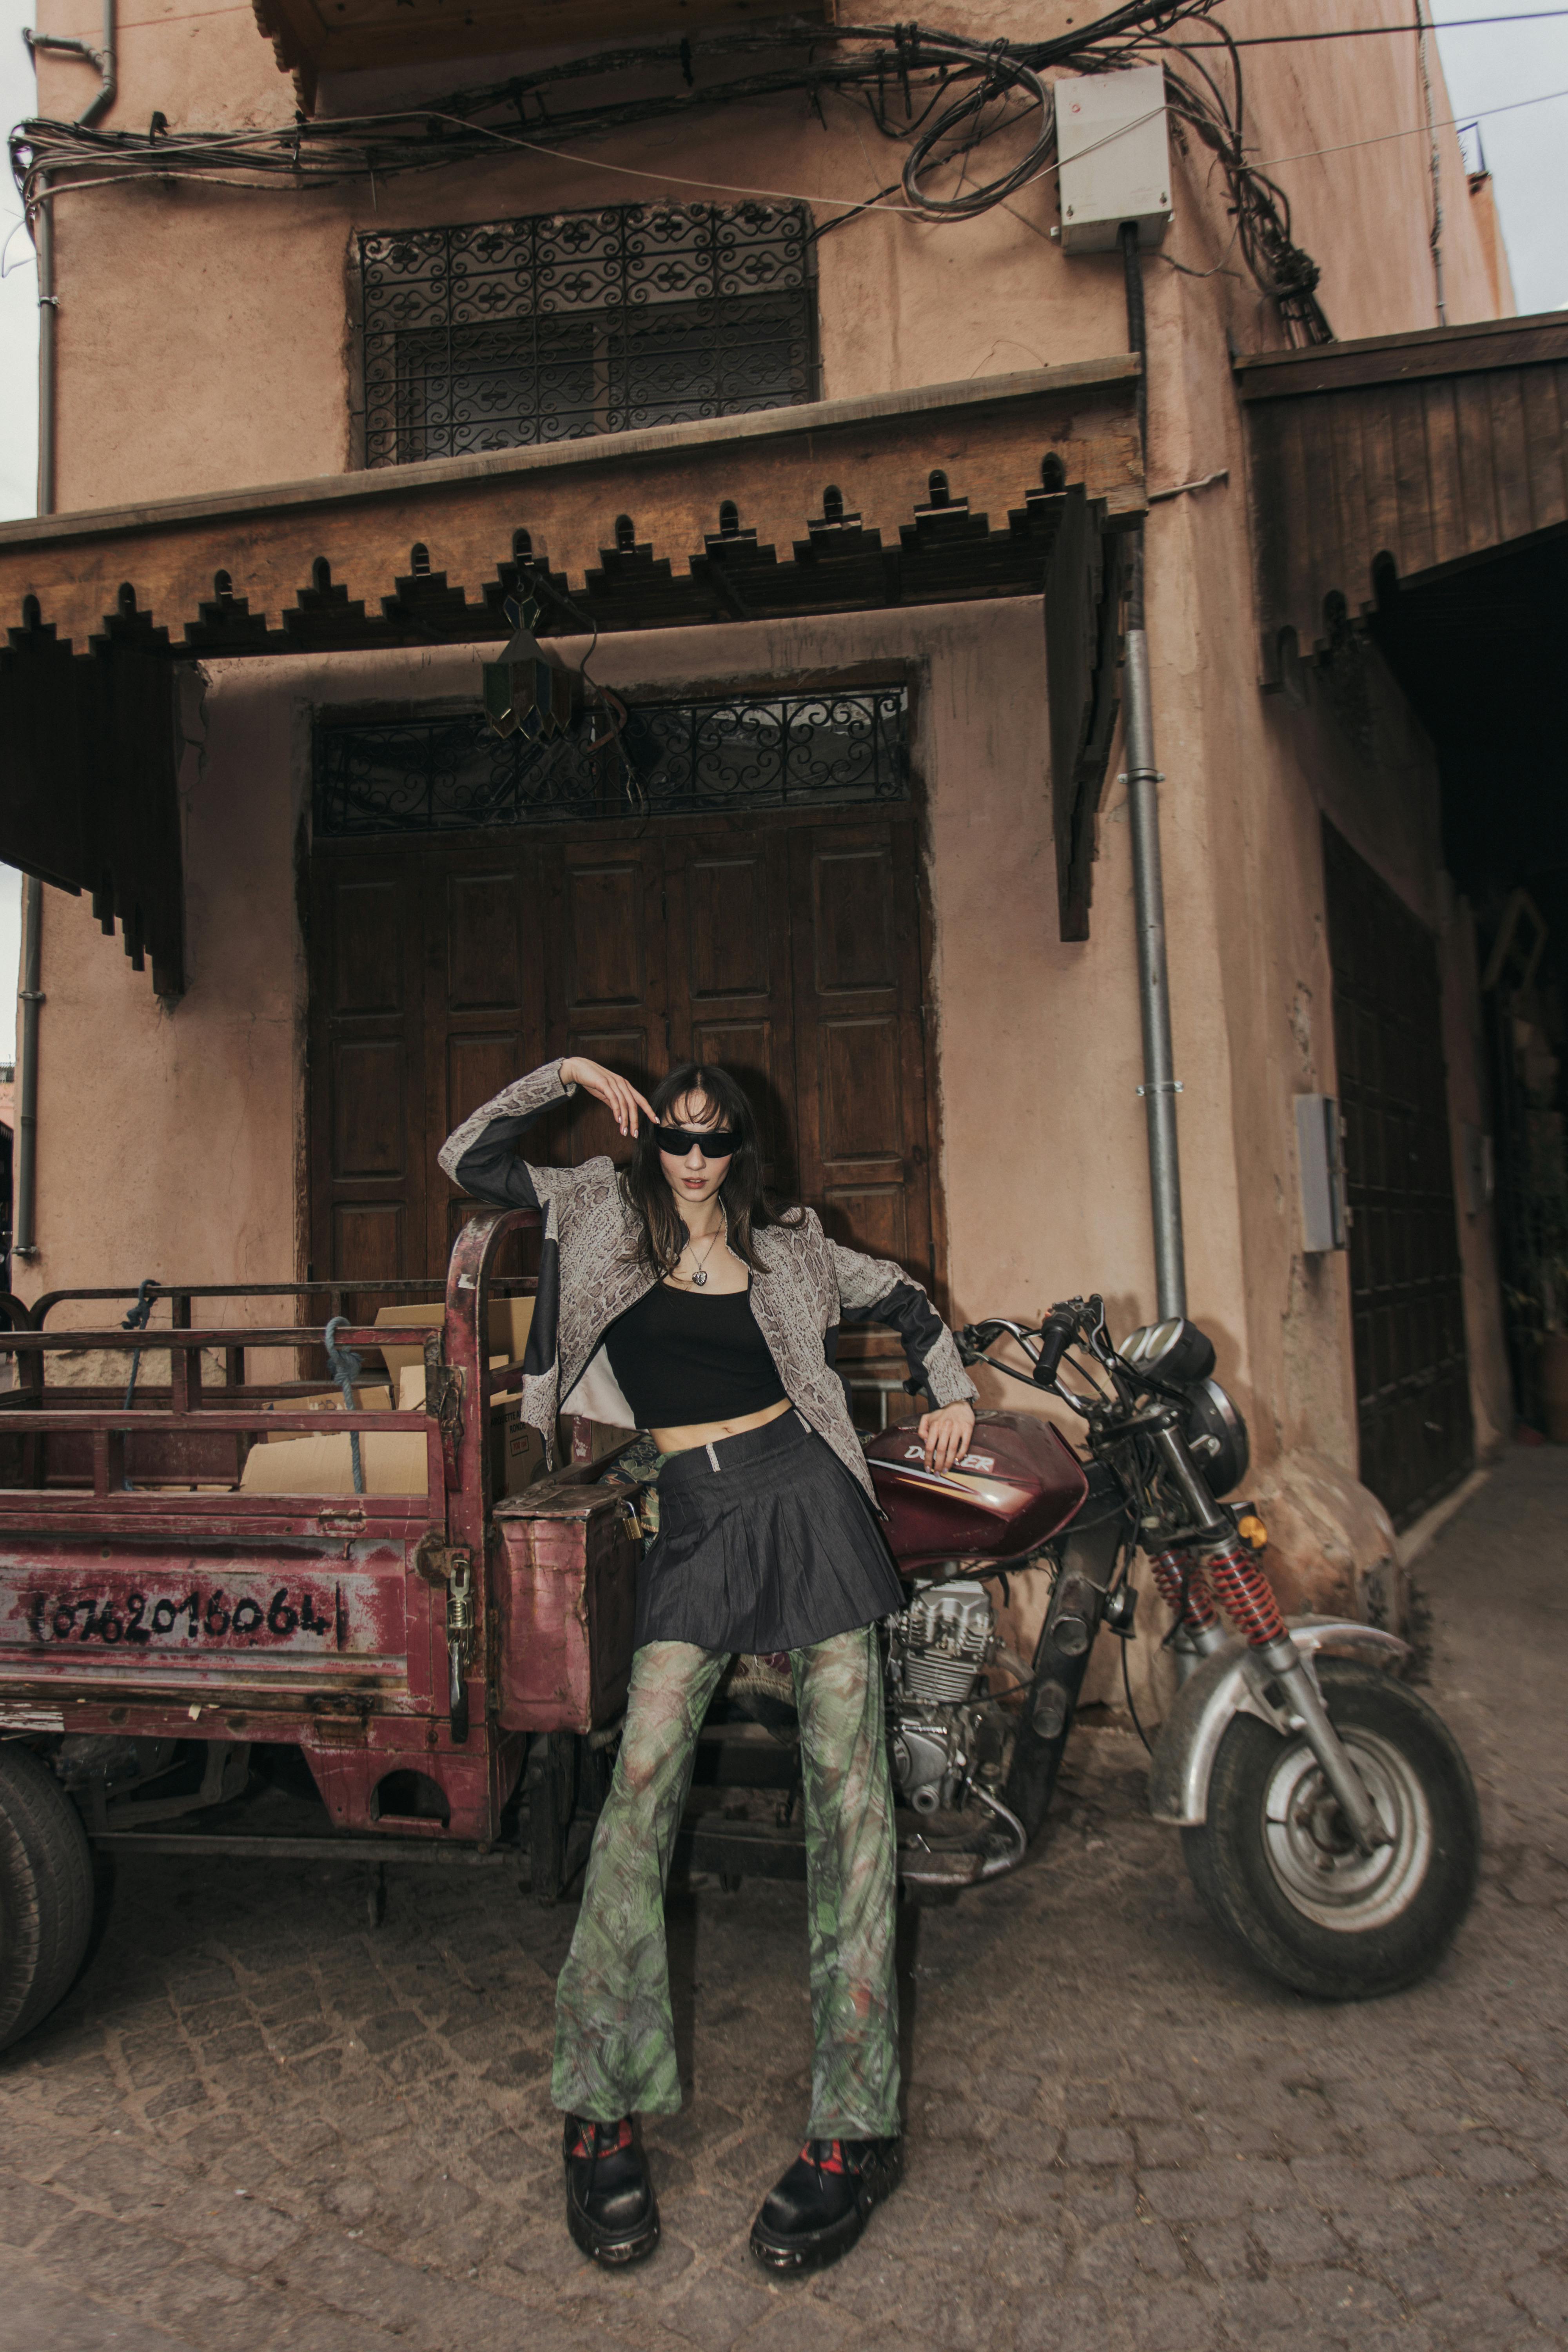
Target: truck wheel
column 46, row 1893
column 1276, row 1867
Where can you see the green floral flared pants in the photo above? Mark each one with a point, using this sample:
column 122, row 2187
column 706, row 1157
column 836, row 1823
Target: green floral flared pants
column 614, row 2042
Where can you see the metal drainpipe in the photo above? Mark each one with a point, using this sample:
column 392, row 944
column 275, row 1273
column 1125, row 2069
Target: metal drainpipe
column 1143, row 779
column 106, row 62
column 30, row 994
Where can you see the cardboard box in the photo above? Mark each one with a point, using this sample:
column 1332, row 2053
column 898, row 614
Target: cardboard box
column 396, row 1463
column 521, row 1453
column 602, row 1437
column 411, row 1386
column 517, row 1449
column 368, row 1398
column 510, row 1319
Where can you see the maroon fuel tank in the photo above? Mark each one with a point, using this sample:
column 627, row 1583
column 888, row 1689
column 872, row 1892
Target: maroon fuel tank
column 1019, row 1482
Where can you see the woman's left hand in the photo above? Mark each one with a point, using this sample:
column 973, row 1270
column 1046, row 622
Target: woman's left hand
column 945, row 1435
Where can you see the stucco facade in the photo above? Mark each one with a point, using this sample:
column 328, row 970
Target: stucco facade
column 207, row 343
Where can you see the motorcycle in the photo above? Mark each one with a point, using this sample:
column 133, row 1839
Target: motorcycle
column 1328, row 1817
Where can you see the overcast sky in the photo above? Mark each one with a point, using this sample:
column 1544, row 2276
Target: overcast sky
column 1491, row 66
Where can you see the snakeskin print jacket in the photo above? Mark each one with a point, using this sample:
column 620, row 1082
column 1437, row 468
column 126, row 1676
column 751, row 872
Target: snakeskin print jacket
column 590, row 1273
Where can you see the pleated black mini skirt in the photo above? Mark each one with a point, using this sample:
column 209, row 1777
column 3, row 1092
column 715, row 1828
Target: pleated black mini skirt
column 764, row 1542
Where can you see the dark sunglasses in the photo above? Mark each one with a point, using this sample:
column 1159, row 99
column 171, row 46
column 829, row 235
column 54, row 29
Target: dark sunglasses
column 713, row 1142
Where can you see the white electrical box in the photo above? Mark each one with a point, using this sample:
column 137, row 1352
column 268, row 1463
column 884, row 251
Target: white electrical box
column 1114, row 157
column 1321, row 1154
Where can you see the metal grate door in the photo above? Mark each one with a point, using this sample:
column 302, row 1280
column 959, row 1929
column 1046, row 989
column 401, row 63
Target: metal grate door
column 1412, row 1372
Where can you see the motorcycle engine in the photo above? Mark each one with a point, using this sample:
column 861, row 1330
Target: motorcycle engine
column 948, row 1635
column 940, row 1644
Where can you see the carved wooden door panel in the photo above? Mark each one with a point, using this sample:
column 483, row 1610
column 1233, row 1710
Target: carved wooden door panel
column 860, row 1092
column 604, row 975
column 730, row 982
column 369, row 1172
column 484, row 962
column 789, row 951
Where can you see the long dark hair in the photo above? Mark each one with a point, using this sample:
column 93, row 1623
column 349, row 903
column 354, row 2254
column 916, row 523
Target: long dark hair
column 748, row 1208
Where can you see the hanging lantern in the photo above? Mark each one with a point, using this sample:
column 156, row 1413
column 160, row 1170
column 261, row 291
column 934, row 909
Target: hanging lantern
column 527, row 691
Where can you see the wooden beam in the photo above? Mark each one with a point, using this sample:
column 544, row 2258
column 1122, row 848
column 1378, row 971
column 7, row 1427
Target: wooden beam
column 1489, row 344
column 346, row 35
column 1083, row 606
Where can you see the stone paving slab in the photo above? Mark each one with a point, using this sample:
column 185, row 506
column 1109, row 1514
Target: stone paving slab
column 260, row 2125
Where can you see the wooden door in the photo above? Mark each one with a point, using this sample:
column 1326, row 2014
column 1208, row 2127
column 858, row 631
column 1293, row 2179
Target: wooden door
column 789, row 951
column 1412, row 1370
column 369, row 1169
column 860, row 1095
column 606, row 974
column 485, row 961
column 730, row 982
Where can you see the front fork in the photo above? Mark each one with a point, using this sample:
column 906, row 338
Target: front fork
column 1191, row 1580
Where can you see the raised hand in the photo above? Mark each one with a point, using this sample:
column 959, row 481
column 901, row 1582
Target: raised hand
column 620, row 1097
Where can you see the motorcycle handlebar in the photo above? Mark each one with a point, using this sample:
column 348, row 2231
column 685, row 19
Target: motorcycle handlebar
column 1056, row 1334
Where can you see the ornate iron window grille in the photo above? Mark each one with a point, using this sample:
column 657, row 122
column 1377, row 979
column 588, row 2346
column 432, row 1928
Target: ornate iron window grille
column 681, row 759
column 503, row 333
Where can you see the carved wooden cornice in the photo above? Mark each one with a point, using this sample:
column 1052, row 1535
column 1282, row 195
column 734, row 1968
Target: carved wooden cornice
column 949, row 493
column 838, row 506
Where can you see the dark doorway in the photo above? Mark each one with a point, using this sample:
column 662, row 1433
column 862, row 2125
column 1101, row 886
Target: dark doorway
column 1412, row 1371
column 1477, row 645
column 786, row 946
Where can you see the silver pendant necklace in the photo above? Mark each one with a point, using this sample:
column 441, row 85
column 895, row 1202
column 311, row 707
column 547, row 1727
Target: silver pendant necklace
column 700, row 1271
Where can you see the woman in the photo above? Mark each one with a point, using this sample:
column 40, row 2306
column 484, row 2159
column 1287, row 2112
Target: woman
column 676, row 1297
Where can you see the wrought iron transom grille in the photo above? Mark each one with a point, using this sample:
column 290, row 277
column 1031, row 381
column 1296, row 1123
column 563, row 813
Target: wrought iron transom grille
column 681, row 759
column 503, row 333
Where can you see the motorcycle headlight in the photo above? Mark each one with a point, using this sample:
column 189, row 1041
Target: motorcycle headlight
column 1217, row 1434
column 1175, row 1350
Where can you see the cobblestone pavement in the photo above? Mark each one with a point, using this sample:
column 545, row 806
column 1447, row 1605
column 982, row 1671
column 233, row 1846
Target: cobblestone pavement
column 260, row 2126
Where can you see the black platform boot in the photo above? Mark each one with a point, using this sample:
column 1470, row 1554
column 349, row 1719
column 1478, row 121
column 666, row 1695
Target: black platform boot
column 610, row 2208
column 820, row 2206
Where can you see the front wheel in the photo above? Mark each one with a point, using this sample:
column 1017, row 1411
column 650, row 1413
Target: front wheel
column 46, row 1893
column 1277, row 1868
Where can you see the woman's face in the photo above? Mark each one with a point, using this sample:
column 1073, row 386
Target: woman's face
column 692, row 1179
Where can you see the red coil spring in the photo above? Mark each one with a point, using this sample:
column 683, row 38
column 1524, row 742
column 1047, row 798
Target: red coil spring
column 1176, row 1571
column 1246, row 1595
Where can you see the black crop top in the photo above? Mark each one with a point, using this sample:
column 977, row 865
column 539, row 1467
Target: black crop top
column 682, row 1357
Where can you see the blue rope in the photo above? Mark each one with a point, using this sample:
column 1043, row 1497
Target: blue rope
column 344, row 1367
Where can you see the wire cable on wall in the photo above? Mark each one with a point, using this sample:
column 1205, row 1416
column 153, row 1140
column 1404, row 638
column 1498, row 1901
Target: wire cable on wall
column 942, row 96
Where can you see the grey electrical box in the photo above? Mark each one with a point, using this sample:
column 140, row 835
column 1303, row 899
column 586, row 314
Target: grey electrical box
column 1321, row 1154
column 1114, row 157
column 1480, row 1171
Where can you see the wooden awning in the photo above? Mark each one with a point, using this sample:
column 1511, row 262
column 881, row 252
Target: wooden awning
column 311, row 37
column 948, row 493
column 1381, row 465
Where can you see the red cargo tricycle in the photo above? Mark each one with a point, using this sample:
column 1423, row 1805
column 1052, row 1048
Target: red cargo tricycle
column 192, row 1662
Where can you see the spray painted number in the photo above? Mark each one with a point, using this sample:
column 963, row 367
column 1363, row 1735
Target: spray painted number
column 195, row 1617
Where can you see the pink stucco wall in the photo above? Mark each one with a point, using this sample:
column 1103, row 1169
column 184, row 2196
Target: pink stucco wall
column 205, row 342
column 204, row 335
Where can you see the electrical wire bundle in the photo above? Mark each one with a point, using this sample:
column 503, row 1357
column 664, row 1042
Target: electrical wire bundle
column 943, row 95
